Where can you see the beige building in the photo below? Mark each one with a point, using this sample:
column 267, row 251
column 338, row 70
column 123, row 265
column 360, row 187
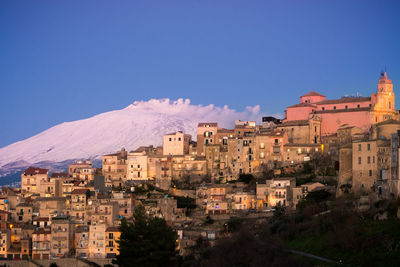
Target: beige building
column 5, row 242
column 206, row 134
column 24, row 212
column 303, row 131
column 82, row 241
column 85, row 164
column 243, row 201
column 97, row 241
column 50, row 206
column 41, row 243
column 370, row 162
column 79, row 200
column 276, row 192
column 137, row 166
column 176, row 143
column 62, row 237
column 31, row 177
column 188, row 166
column 114, row 168
column 103, row 211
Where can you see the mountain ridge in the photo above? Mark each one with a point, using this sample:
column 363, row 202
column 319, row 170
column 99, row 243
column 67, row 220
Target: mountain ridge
column 142, row 123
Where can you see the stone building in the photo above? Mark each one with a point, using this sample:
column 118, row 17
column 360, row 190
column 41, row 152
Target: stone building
column 176, row 143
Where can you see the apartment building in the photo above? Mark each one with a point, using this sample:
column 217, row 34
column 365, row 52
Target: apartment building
column 137, row 169
column 31, row 177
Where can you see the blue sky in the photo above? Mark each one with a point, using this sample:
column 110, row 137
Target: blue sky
column 68, row 60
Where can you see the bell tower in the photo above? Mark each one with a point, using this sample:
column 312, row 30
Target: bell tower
column 383, row 101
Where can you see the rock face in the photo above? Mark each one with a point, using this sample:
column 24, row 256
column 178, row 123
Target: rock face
column 141, row 123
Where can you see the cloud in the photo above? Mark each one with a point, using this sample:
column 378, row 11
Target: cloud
column 225, row 116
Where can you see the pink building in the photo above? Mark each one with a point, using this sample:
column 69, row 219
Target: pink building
column 353, row 111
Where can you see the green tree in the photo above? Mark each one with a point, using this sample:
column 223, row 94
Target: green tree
column 148, row 241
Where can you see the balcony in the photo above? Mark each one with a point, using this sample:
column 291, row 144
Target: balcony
column 280, row 196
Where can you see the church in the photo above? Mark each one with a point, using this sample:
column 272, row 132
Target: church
column 315, row 116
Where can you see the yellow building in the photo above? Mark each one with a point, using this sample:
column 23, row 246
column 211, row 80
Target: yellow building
column 112, row 238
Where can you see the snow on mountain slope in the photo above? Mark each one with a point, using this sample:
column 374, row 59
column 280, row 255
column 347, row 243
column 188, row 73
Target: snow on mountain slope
column 141, row 123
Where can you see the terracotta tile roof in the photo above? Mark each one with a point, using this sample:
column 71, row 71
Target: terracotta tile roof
column 313, row 93
column 59, row 174
column 344, row 100
column 303, row 105
column 35, row 170
column 210, row 124
column 79, row 191
column 112, row 229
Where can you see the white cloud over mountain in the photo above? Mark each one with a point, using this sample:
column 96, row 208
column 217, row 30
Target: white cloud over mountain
column 141, row 123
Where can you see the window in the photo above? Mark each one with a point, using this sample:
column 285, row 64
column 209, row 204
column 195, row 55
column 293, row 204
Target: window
column 358, row 105
column 179, row 139
column 345, row 107
column 315, row 129
column 368, row 147
column 359, row 160
column 323, row 108
column 390, row 105
column 111, row 235
column 334, row 107
column 370, row 172
column 368, row 159
column 261, row 155
column 170, row 139
column 373, row 159
column 359, row 147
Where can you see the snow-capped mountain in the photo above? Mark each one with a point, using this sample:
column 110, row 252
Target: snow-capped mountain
column 141, row 123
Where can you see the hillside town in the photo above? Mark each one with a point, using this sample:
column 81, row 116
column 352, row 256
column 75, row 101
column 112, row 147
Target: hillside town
column 348, row 145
